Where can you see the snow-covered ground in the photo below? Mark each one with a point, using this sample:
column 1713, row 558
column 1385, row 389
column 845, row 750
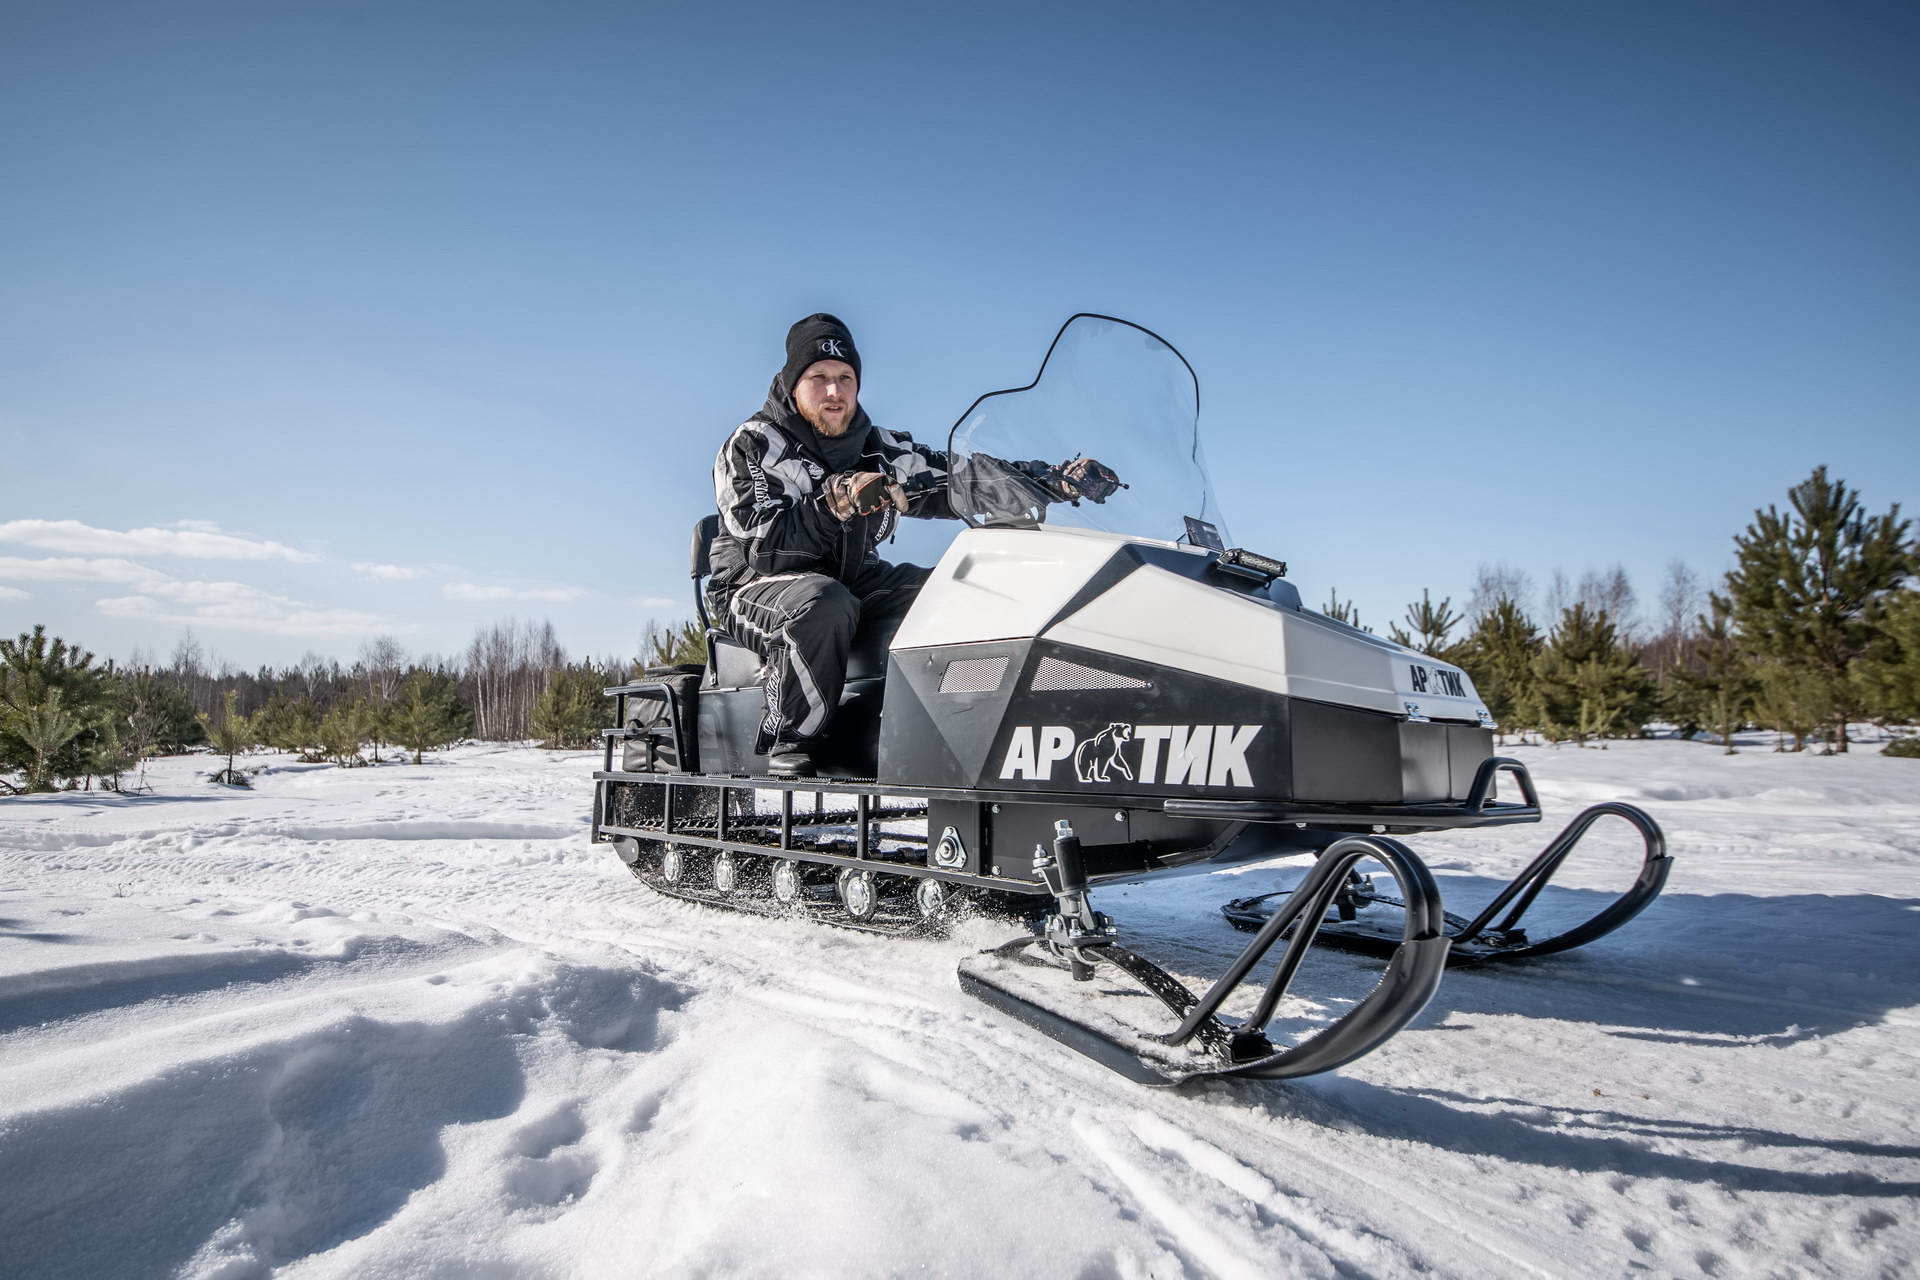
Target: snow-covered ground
column 407, row 1021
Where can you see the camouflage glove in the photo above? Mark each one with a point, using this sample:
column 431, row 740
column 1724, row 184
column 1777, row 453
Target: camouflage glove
column 1087, row 478
column 861, row 493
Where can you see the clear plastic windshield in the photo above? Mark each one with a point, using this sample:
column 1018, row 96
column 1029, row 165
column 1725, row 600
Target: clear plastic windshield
column 1109, row 391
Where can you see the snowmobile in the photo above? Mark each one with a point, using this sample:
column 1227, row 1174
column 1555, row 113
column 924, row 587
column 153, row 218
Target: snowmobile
column 1087, row 693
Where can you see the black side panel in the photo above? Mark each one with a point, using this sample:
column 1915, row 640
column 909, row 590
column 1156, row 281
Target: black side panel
column 854, row 732
column 1345, row 756
column 1424, row 775
column 1467, row 747
column 1115, row 840
column 1069, row 721
column 934, row 739
column 730, row 720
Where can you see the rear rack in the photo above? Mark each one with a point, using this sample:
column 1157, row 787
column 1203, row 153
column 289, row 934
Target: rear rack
column 675, row 732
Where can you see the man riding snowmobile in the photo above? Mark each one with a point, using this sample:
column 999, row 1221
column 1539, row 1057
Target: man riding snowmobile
column 807, row 489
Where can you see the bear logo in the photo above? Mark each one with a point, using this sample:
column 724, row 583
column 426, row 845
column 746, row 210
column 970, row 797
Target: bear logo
column 1101, row 752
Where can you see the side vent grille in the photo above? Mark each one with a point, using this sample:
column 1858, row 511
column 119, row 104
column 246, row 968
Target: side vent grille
column 974, row 675
column 1055, row 676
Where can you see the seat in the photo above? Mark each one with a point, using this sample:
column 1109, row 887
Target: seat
column 730, row 664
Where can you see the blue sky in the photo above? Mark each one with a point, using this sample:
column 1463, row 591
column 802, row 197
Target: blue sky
column 473, row 291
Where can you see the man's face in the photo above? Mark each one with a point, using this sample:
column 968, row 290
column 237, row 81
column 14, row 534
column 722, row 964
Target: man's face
column 826, row 396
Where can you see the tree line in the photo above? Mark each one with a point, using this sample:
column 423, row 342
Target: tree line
column 1816, row 625
column 69, row 720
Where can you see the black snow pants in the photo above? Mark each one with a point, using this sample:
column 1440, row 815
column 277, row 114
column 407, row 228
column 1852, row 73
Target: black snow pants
column 803, row 626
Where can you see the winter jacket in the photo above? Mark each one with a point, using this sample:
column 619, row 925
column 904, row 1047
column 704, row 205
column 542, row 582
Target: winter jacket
column 769, row 483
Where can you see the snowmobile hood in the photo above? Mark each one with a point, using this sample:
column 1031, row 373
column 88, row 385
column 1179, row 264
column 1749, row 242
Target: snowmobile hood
column 1158, row 602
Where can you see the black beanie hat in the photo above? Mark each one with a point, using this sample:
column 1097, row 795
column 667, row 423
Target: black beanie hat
column 818, row 337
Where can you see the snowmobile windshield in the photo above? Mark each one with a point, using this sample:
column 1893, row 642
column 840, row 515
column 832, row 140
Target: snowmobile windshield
column 1110, row 391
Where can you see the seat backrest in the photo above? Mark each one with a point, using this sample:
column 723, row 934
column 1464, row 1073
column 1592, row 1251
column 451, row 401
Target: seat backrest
column 705, row 530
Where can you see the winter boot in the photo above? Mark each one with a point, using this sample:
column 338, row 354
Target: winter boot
column 790, row 760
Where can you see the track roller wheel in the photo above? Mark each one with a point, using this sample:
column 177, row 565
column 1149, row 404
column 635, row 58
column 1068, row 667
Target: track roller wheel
column 859, row 894
column 933, row 898
column 789, row 885
column 677, row 866
column 726, row 871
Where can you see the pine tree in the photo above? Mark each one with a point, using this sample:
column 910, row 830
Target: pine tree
column 43, row 728
column 1807, row 591
column 1887, row 681
column 1499, row 655
column 1430, row 625
column 571, row 709
column 116, row 750
column 288, row 724
column 1587, row 683
column 1342, row 610
column 230, row 733
column 429, row 714
column 1793, row 700
column 342, row 731
column 1720, row 688
column 157, row 714
column 683, row 643
column 33, row 668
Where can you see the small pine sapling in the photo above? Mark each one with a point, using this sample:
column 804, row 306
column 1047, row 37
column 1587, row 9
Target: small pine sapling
column 230, row 734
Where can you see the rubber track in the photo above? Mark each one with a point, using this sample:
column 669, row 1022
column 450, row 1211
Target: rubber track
column 900, row 926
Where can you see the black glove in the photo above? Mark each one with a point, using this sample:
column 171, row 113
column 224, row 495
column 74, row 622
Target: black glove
column 1087, row 478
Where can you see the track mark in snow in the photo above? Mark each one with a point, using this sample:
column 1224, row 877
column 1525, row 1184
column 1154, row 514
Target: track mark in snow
column 1367, row 1250
column 432, row 830
column 552, row 1182
column 545, row 1171
column 645, row 1112
column 542, row 1137
column 1220, row 1246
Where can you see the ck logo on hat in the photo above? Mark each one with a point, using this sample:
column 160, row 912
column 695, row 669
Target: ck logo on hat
column 831, row 347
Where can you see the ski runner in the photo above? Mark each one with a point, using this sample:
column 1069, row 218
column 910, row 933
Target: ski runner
column 808, row 488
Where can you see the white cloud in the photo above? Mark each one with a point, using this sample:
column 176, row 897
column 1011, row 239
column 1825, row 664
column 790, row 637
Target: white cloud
column 194, row 539
column 218, row 595
column 656, row 602
column 469, row 591
column 148, row 582
column 384, row 572
column 160, row 597
column 473, row 591
column 261, row 613
column 76, row 569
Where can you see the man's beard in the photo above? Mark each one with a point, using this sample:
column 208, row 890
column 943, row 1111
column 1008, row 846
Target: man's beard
column 818, row 421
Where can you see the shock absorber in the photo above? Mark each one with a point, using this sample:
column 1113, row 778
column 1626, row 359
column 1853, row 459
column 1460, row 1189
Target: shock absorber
column 1074, row 925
